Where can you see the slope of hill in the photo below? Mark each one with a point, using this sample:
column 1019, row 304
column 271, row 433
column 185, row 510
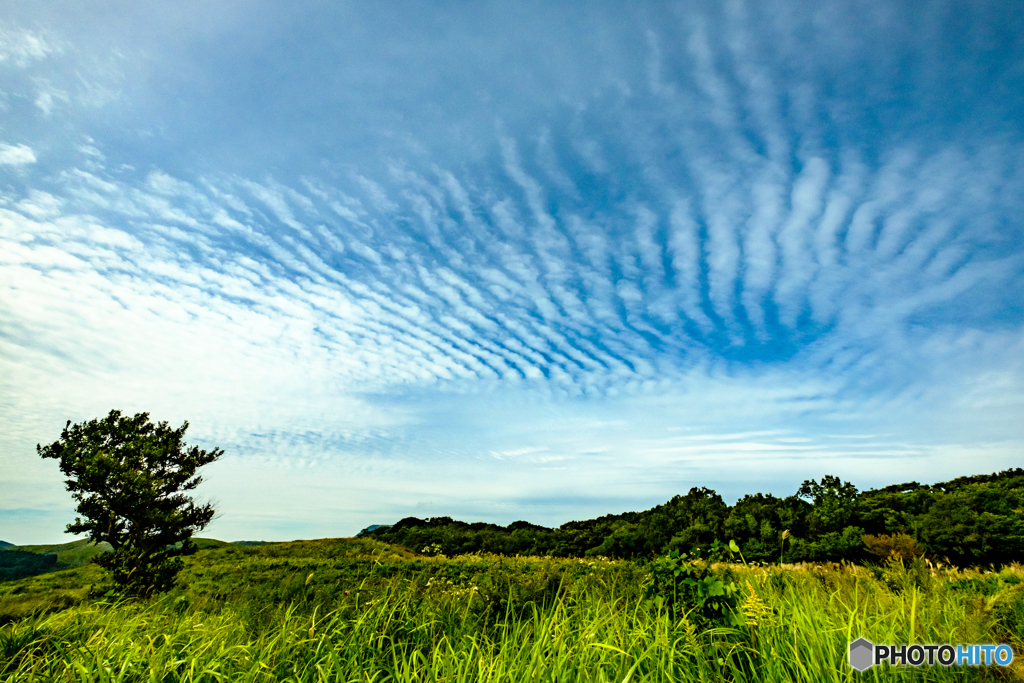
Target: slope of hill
column 267, row 573
column 20, row 561
column 69, row 555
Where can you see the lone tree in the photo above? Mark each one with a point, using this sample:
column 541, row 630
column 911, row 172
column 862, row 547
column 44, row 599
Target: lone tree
column 128, row 476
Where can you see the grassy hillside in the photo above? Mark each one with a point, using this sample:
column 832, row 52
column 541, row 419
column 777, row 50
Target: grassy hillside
column 22, row 561
column 18, row 562
column 69, row 555
column 360, row 609
column 217, row 571
column 585, row 602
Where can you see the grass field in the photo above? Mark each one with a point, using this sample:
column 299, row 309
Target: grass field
column 361, row 610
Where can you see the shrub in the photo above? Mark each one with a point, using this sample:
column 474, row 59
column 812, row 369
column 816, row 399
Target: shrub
column 686, row 585
column 888, row 546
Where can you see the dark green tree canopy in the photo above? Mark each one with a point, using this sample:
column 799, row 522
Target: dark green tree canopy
column 834, row 503
column 968, row 521
column 129, row 476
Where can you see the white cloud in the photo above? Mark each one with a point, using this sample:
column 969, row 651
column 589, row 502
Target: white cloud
column 691, row 266
column 48, row 96
column 22, row 47
column 40, row 205
column 16, row 155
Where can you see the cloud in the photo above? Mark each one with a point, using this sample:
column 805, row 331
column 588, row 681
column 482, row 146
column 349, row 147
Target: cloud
column 21, row 47
column 16, row 155
column 712, row 260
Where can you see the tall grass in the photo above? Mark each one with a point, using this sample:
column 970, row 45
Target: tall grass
column 590, row 626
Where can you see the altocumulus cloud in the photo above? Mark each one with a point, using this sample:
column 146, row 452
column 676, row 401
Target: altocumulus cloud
column 435, row 266
column 16, row 155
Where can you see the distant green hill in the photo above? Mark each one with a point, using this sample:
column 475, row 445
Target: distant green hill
column 21, row 561
column 207, row 543
column 17, row 564
column 251, row 543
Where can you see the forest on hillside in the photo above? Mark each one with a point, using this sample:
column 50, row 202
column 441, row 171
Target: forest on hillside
column 969, row 521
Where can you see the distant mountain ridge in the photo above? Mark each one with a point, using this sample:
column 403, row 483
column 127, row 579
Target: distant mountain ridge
column 5, row 544
column 251, row 543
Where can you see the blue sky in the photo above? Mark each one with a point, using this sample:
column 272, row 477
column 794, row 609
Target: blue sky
column 544, row 261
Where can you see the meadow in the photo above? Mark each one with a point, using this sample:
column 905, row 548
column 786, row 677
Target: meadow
column 363, row 610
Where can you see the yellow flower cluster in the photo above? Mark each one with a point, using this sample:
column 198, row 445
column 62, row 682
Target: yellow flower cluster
column 753, row 608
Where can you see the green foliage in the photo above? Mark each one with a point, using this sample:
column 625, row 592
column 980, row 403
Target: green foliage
column 977, row 523
column 978, row 585
column 906, row 577
column 1008, row 611
column 69, row 555
column 687, row 588
column 16, row 564
column 834, row 546
column 509, row 592
column 834, row 503
column 969, row 521
column 898, row 545
column 46, row 593
column 760, row 520
column 128, row 477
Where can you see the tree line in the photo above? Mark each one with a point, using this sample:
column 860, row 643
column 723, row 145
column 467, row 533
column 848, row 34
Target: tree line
column 974, row 520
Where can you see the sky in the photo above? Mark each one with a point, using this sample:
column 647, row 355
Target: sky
column 539, row 260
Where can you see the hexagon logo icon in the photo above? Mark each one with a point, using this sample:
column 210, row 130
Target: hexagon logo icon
column 862, row 654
